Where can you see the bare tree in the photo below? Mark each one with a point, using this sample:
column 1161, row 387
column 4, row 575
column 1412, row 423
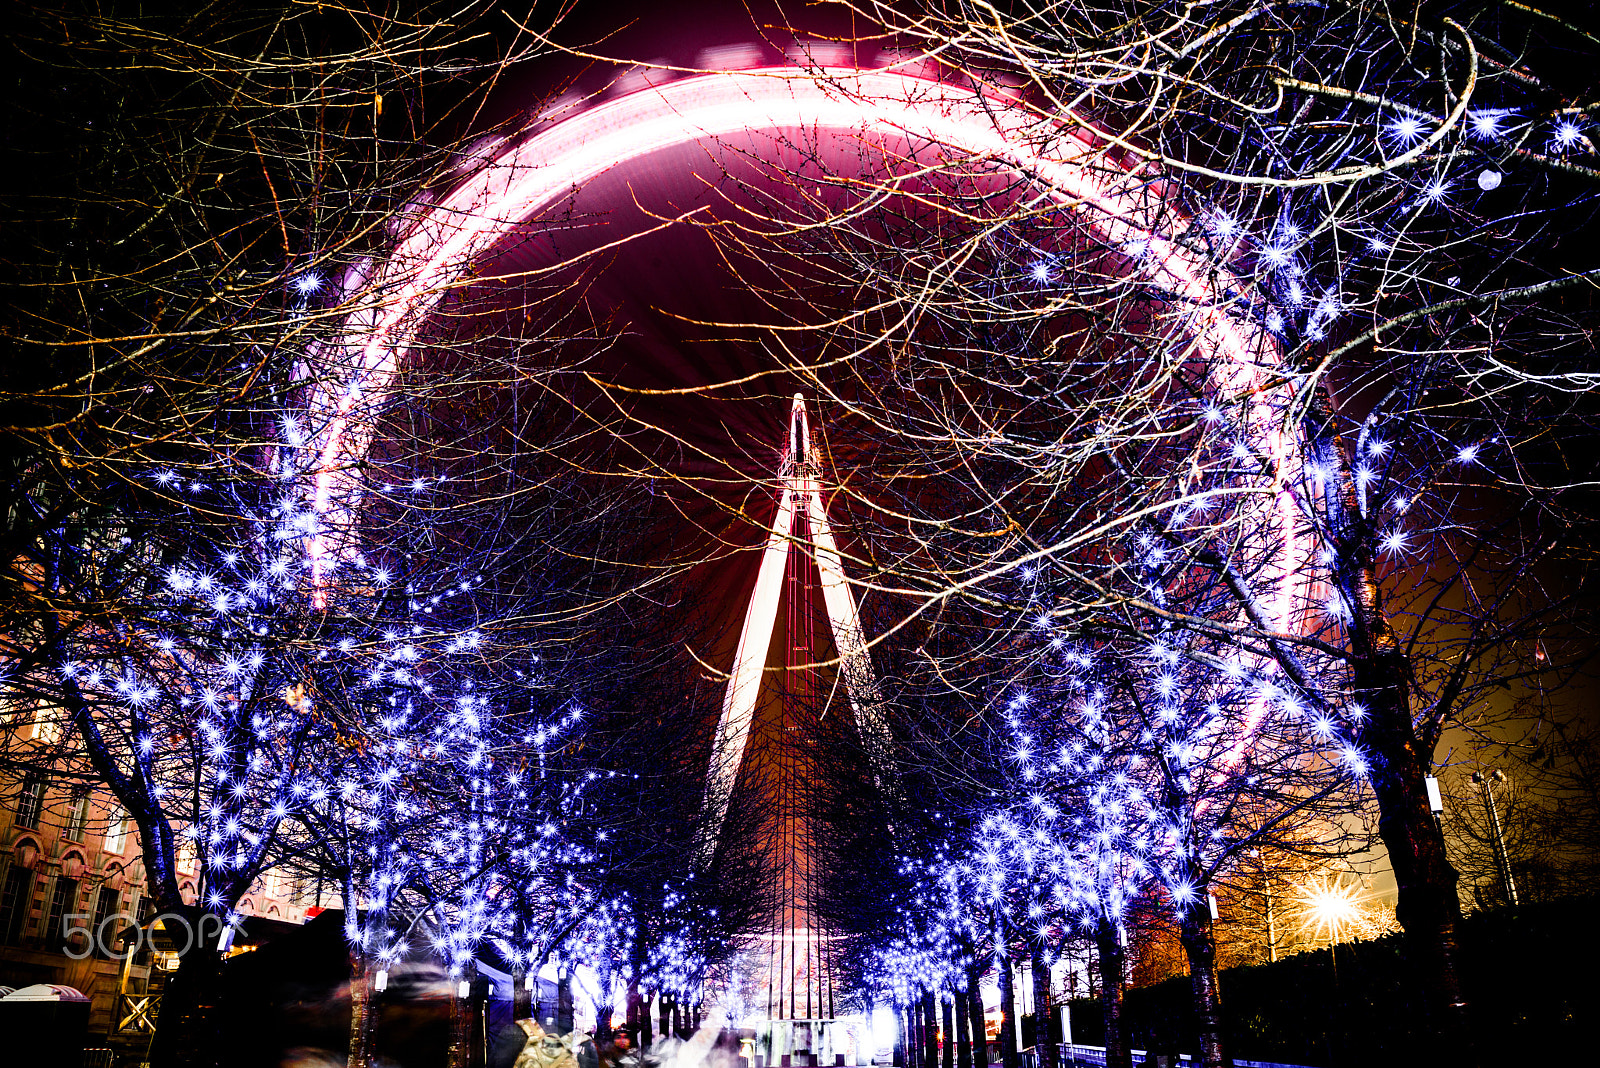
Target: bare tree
column 1392, row 225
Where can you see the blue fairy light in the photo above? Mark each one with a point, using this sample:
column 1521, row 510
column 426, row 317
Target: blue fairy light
column 1407, row 130
column 1487, row 123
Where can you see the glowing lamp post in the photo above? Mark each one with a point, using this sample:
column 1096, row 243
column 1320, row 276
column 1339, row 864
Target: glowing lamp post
column 1330, row 908
column 1502, row 861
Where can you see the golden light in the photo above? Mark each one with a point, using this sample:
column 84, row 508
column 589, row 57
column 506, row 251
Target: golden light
column 1330, row 907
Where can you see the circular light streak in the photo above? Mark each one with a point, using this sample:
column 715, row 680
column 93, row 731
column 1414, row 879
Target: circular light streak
column 444, row 238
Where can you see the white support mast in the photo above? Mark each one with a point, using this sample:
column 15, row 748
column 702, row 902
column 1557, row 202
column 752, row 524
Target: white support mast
column 800, row 472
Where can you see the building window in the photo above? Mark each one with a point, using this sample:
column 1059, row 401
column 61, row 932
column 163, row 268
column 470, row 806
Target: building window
column 78, row 817
column 30, row 803
column 63, row 902
column 14, row 904
column 106, row 905
column 145, row 909
column 117, row 836
column 47, row 728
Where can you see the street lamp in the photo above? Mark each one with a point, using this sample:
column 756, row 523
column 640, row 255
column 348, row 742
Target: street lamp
column 1502, row 862
column 1331, row 907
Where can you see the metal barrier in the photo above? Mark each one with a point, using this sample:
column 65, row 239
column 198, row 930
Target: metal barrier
column 1080, row 1056
column 98, row 1058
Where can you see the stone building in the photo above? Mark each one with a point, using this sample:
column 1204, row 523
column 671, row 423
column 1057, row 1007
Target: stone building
column 72, row 886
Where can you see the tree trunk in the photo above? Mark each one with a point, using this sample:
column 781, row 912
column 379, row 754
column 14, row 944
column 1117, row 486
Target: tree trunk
column 1426, row 903
column 638, row 1007
column 1042, row 1045
column 564, row 1011
column 901, row 1046
column 664, row 1009
column 521, row 996
column 947, row 1033
column 647, row 1036
column 459, row 1054
column 1200, row 946
column 1008, row 1014
column 1108, row 942
column 634, row 1008
column 963, row 1029
column 980, row 1030
column 185, row 1031
column 603, row 1006
column 361, row 1012
column 927, row 1039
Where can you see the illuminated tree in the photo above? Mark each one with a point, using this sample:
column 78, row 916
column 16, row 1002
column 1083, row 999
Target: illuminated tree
column 254, row 675
column 1375, row 500
column 1242, row 345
